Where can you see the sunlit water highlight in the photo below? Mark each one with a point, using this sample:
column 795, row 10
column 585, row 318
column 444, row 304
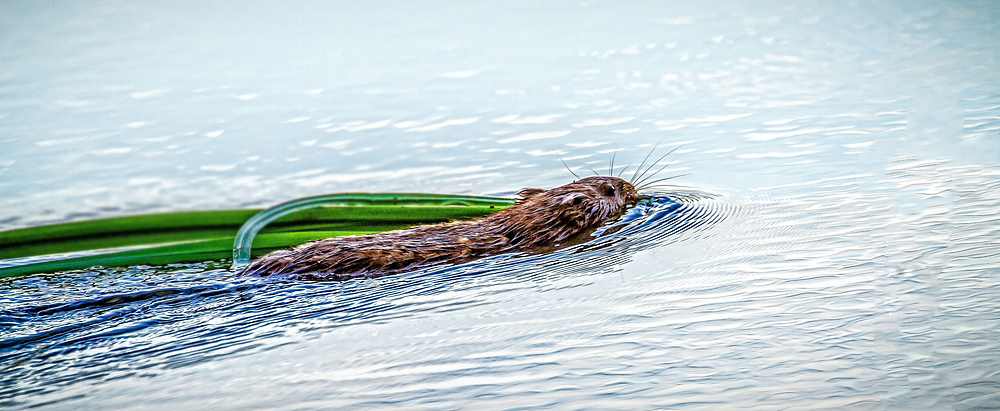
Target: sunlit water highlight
column 845, row 258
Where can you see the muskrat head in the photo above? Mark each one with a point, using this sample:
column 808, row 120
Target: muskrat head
column 605, row 197
column 587, row 202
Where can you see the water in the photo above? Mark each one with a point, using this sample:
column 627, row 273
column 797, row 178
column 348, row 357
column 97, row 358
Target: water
column 846, row 258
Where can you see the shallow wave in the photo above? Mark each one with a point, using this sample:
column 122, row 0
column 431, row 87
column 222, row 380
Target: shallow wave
column 837, row 296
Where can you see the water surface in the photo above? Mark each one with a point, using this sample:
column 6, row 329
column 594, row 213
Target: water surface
column 845, row 259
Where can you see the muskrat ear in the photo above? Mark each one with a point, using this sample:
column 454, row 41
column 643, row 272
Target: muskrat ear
column 528, row 193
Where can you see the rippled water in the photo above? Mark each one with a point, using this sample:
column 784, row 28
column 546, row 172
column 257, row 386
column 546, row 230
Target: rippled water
column 838, row 246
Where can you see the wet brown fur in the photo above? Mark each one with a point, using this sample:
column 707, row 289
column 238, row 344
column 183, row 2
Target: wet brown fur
column 541, row 220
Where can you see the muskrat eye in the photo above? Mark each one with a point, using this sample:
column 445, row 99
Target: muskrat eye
column 608, row 190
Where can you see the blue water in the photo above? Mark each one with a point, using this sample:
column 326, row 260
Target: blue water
column 840, row 253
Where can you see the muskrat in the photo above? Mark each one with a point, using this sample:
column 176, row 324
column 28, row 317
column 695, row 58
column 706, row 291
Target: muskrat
column 541, row 220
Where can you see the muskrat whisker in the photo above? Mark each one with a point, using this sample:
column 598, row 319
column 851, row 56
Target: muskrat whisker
column 619, row 175
column 663, row 179
column 595, row 172
column 644, row 161
column 641, row 180
column 567, row 166
column 656, row 173
column 655, row 163
column 665, row 185
column 611, row 167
